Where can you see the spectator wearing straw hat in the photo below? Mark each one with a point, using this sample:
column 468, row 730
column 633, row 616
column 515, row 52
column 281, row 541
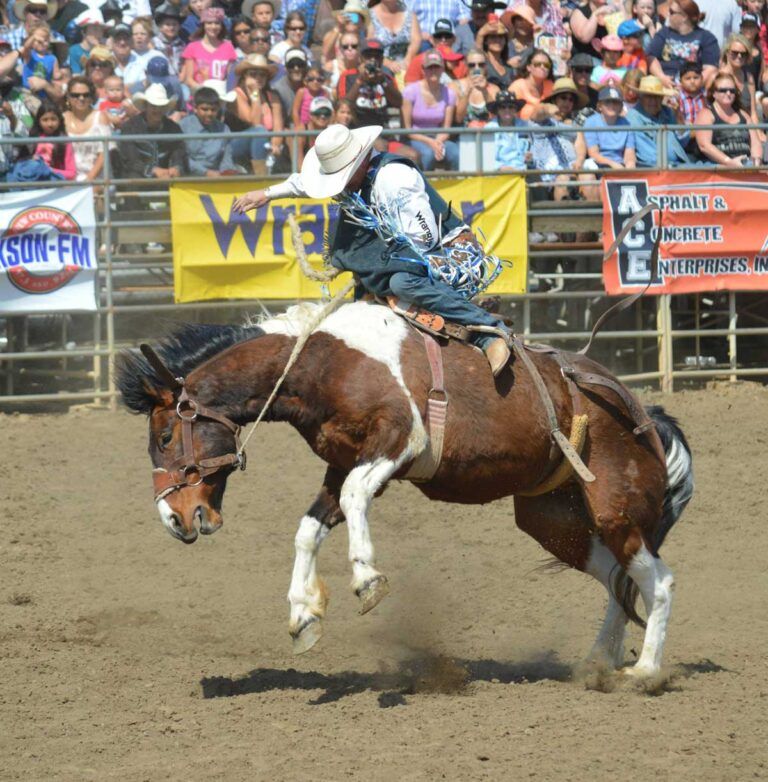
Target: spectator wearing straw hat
column 99, row 66
column 167, row 40
column 31, row 12
column 651, row 112
column 259, row 108
column 209, row 157
column 94, row 30
column 521, row 22
column 161, row 159
column 493, row 39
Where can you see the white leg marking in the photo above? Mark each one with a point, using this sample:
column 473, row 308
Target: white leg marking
column 166, row 515
column 358, row 490
column 609, row 644
column 656, row 583
column 306, row 593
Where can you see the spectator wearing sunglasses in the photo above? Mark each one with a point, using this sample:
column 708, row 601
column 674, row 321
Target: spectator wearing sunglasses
column 320, row 115
column 295, row 30
column 730, row 143
column 397, row 27
column 31, row 12
column 455, row 67
column 82, row 121
column 351, row 20
column 240, row 35
column 349, row 58
column 287, row 85
column 429, row 11
column 473, row 105
column 735, row 59
column 313, row 88
column 99, row 66
column 536, row 85
column 581, row 67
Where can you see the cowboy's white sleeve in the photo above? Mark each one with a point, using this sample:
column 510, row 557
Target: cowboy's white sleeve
column 401, row 188
column 293, row 187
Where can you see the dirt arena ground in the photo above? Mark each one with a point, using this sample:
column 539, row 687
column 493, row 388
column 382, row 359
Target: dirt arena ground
column 126, row 655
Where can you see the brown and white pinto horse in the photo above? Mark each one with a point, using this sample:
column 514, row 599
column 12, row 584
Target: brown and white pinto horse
column 357, row 394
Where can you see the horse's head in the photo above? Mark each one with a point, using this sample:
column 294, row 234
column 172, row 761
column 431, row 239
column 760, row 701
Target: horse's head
column 193, row 449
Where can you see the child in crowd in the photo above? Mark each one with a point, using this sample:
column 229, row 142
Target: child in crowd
column 262, row 14
column 168, row 40
column 629, row 85
column 609, row 149
column 208, row 157
column 91, row 24
column 345, row 113
column 633, row 56
column 692, row 98
column 40, row 68
column 114, row 104
column 59, row 156
column 609, row 72
column 320, row 115
column 313, row 88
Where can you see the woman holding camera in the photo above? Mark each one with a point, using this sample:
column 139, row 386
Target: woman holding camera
column 476, row 93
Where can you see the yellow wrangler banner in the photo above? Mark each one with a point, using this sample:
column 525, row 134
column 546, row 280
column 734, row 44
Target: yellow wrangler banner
column 218, row 254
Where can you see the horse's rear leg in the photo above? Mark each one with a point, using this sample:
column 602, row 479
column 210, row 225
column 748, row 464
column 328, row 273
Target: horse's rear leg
column 560, row 522
column 307, row 594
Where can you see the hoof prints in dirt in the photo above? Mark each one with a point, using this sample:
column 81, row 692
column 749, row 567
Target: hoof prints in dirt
column 426, row 674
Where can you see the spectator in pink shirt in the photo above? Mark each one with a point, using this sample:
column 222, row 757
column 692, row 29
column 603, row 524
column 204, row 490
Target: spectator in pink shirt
column 209, row 55
column 59, row 156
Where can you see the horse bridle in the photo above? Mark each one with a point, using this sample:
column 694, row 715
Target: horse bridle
column 186, row 471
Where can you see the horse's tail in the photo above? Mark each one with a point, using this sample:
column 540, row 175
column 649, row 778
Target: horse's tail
column 677, row 496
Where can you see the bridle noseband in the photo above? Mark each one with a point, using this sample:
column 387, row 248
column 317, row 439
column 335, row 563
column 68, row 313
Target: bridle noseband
column 186, row 471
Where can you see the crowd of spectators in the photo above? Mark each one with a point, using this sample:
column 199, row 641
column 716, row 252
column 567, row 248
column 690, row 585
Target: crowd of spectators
column 568, row 86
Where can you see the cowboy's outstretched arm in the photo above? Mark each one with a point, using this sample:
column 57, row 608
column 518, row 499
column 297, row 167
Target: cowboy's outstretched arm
column 291, row 188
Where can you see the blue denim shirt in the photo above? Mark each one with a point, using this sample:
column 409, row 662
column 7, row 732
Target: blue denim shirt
column 511, row 148
column 645, row 143
column 207, row 154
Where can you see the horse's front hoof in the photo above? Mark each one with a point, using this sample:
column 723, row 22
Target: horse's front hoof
column 372, row 592
column 310, row 632
column 639, row 672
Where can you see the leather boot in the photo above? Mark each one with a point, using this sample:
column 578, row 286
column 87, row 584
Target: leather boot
column 497, row 353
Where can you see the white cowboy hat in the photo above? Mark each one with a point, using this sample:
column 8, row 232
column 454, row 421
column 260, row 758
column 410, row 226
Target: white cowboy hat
column 90, row 16
column 20, row 5
column 220, row 88
column 337, row 153
column 247, row 9
column 155, row 95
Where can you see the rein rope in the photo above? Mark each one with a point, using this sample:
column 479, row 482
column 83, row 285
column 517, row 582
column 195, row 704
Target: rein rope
column 301, row 340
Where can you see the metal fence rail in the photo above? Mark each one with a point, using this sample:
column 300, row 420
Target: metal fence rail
column 69, row 357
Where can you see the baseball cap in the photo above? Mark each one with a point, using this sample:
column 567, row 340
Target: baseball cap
column 295, row 54
column 629, row 27
column 120, row 29
column 443, row 27
column 320, row 103
column 158, row 68
column 373, row 45
column 748, row 18
column 581, row 60
column 609, row 93
column 432, row 57
column 448, row 54
column 506, row 98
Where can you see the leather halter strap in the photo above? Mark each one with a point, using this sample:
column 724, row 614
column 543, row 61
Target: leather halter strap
column 186, row 471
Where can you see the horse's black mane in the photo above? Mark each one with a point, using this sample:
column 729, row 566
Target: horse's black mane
column 181, row 352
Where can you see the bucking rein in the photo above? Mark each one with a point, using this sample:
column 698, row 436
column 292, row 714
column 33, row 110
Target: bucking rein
column 427, row 463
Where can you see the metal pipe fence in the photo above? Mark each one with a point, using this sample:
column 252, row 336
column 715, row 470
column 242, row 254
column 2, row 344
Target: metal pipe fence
column 69, row 357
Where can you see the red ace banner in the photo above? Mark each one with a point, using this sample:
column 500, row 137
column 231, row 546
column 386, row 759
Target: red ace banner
column 714, row 231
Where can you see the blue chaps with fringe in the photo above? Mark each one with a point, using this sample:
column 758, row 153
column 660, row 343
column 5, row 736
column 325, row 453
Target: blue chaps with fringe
column 441, row 299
